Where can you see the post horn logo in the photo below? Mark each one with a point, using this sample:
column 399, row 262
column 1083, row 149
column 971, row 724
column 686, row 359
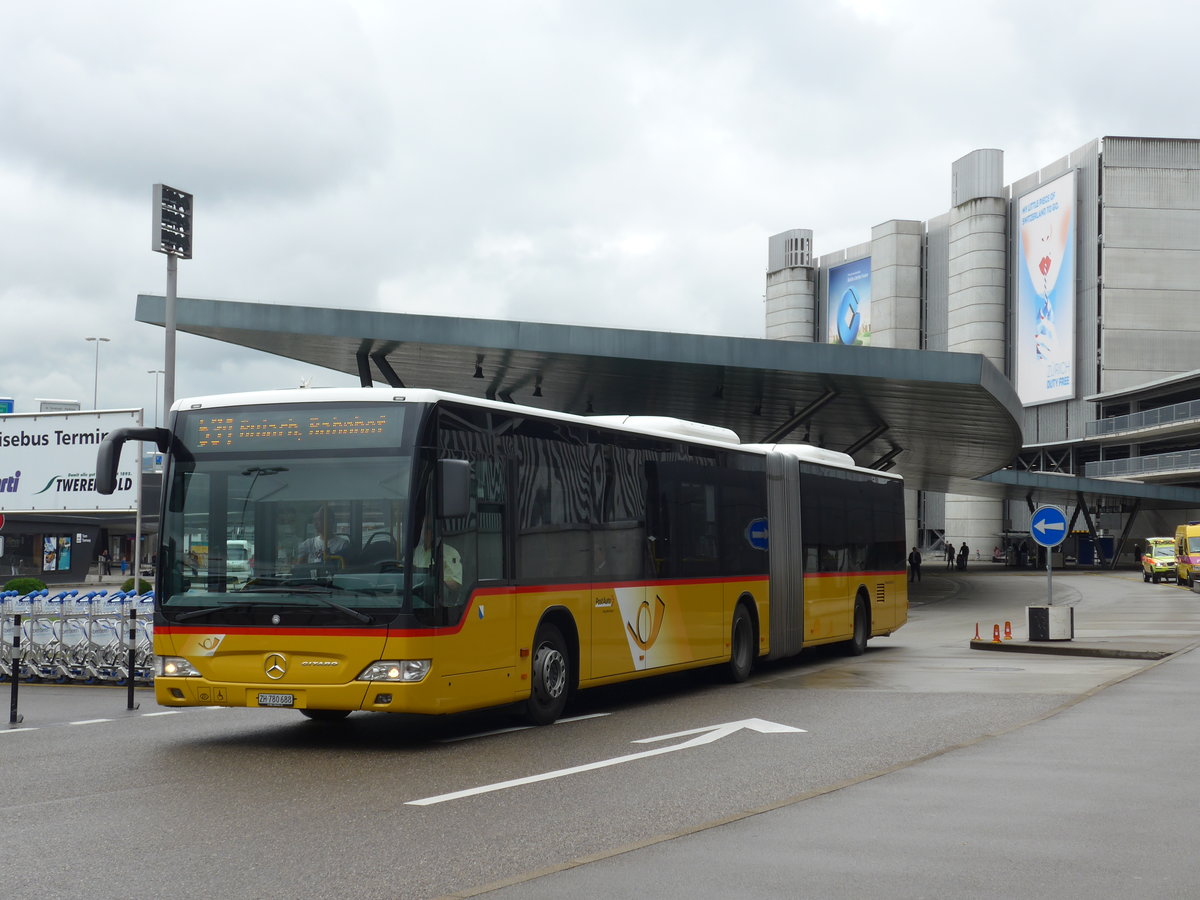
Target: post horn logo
column 648, row 624
column 275, row 666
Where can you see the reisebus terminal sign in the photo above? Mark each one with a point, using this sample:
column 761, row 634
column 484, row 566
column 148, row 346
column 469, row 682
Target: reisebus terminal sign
column 48, row 462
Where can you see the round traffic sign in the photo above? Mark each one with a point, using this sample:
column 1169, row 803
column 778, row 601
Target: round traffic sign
column 1048, row 526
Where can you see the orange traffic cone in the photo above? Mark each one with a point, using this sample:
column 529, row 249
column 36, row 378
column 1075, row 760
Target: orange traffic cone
column 996, row 634
column 977, row 637
column 1008, row 631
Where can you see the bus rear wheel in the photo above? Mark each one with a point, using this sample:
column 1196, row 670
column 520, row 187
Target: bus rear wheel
column 550, row 677
column 741, row 645
column 862, row 628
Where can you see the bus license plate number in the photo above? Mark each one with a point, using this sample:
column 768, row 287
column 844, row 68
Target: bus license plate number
column 276, row 700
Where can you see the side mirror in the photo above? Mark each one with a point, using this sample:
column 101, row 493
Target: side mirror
column 454, row 498
column 108, row 455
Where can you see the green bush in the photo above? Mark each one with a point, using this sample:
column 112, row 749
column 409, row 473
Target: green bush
column 24, row 586
column 143, row 585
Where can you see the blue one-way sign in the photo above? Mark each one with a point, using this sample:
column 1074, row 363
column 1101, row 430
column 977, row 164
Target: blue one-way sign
column 1048, row 526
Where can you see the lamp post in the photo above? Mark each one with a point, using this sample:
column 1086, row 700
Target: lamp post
column 96, row 372
column 172, row 235
column 155, row 373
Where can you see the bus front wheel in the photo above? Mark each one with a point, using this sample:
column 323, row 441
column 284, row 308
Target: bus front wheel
column 550, row 678
column 862, row 628
column 741, row 645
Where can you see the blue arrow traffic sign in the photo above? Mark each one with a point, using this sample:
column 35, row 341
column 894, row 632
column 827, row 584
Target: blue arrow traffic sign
column 1048, row 526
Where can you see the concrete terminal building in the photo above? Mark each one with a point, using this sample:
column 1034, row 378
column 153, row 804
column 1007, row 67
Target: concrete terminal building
column 1079, row 282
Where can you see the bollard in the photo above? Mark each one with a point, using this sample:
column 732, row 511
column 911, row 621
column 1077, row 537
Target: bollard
column 130, row 705
column 13, row 717
column 977, row 637
column 995, row 634
column 1008, row 631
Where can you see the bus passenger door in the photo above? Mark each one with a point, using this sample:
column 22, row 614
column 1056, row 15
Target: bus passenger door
column 619, row 616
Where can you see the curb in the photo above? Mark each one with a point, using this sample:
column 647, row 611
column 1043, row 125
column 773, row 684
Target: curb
column 1069, row 648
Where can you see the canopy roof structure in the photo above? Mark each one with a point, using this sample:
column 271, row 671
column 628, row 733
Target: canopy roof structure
column 940, row 419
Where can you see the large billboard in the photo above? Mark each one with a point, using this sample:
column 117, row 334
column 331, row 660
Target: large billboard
column 848, row 308
column 48, row 464
column 1044, row 343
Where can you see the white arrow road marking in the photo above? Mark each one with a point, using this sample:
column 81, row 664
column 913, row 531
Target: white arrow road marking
column 703, row 736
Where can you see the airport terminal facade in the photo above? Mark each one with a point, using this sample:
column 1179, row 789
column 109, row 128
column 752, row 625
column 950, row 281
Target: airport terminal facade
column 1079, row 281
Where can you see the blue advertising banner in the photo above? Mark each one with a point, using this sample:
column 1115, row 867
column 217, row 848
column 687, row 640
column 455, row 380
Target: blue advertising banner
column 848, row 310
column 1044, row 343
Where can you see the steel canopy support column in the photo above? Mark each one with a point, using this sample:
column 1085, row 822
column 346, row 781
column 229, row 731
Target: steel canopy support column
column 799, row 418
column 886, row 459
column 364, row 369
column 875, row 432
column 1137, row 505
column 385, row 369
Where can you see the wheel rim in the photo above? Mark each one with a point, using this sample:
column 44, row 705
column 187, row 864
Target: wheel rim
column 551, row 678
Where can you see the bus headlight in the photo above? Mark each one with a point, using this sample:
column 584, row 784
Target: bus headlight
column 396, row 670
column 174, row 667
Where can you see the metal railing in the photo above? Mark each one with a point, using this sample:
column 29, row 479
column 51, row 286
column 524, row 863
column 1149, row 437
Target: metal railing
column 1180, row 461
column 1147, row 418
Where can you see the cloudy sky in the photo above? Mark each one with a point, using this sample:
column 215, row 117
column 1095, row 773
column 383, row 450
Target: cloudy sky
column 603, row 162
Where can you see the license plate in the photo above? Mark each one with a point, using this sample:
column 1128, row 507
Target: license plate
column 276, row 700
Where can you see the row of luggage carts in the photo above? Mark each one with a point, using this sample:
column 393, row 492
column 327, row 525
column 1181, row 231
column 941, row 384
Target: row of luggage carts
column 74, row 636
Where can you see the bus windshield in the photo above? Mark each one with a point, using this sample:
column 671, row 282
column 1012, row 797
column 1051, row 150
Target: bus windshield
column 268, row 521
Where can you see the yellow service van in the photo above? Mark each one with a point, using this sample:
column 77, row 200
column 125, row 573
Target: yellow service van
column 1158, row 559
column 1187, row 553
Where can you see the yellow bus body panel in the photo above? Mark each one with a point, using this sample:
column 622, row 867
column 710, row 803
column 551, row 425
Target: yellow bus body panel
column 623, row 631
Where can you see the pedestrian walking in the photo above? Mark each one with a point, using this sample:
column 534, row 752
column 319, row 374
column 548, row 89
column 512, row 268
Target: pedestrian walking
column 914, row 565
column 949, row 554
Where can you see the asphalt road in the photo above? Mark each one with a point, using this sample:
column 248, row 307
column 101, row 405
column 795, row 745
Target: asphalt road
column 104, row 802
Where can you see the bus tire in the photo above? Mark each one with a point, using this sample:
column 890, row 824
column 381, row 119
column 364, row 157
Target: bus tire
column 862, row 628
column 741, row 645
column 325, row 715
column 550, row 676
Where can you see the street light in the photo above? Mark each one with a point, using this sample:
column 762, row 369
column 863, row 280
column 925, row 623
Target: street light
column 155, row 373
column 96, row 373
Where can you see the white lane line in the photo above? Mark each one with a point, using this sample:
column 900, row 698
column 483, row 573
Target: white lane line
column 480, row 734
column 169, row 712
column 512, row 728
column 89, row 721
column 705, row 735
column 12, row 730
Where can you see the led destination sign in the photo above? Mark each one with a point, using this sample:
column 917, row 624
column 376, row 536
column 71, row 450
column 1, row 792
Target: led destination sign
column 259, row 428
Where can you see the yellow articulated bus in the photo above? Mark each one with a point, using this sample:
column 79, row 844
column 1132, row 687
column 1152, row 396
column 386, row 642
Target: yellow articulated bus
column 421, row 552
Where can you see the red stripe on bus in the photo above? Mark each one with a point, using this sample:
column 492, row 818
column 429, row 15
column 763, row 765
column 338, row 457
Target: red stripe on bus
column 276, row 630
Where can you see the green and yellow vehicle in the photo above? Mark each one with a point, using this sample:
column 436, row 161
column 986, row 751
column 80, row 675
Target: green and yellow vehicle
column 1158, row 559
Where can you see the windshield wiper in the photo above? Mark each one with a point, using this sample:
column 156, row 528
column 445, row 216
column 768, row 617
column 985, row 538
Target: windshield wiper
column 314, row 591
column 209, row 610
column 308, row 592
